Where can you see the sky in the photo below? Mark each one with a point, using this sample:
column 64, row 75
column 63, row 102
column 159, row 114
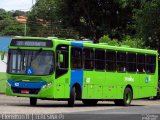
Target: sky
column 23, row 5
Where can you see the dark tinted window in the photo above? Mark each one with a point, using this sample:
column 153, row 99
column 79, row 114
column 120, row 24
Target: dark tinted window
column 141, row 63
column 131, row 62
column 110, row 60
column 99, row 59
column 150, row 63
column 121, row 61
column 76, row 58
column 88, row 58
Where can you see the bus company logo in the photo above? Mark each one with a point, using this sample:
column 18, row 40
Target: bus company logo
column 130, row 79
column 16, row 84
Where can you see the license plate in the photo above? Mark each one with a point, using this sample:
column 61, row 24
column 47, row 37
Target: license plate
column 24, row 91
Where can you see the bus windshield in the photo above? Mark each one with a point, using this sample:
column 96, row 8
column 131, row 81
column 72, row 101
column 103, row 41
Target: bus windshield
column 30, row 62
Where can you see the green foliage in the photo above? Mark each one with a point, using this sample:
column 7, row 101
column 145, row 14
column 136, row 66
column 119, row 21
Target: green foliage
column 108, row 40
column 9, row 25
column 147, row 22
column 127, row 41
column 133, row 42
column 45, row 9
column 45, row 20
column 105, row 39
column 94, row 18
column 128, row 22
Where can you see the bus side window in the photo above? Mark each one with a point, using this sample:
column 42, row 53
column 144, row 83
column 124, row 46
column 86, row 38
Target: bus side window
column 76, row 58
column 141, row 63
column 88, row 54
column 150, row 63
column 61, row 66
column 131, row 62
column 110, row 61
column 121, row 61
column 99, row 59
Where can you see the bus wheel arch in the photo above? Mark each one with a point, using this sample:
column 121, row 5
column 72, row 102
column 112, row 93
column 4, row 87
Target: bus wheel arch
column 78, row 91
column 127, row 97
column 74, row 94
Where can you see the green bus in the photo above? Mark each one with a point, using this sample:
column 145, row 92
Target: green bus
column 56, row 69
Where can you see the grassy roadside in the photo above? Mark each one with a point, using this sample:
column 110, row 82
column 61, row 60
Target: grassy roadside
column 2, row 82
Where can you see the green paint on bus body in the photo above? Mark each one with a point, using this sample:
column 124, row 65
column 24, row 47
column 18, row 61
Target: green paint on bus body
column 3, row 82
column 96, row 84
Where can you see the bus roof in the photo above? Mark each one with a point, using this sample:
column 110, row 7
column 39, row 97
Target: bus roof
column 90, row 44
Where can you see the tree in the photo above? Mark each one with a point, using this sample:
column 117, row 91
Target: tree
column 44, row 20
column 126, row 41
column 42, row 17
column 95, row 18
column 18, row 13
column 132, row 42
column 106, row 39
column 147, row 22
column 9, row 25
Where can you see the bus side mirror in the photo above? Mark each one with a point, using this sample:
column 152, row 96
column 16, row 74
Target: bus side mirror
column 61, row 58
column 2, row 55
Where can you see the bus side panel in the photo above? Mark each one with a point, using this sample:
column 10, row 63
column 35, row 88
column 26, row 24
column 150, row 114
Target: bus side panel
column 62, row 87
column 93, row 82
column 147, row 88
column 109, row 87
column 89, row 85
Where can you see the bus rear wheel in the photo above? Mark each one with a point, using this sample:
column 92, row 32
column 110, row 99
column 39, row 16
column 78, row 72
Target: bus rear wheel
column 71, row 101
column 127, row 98
column 33, row 101
column 90, row 102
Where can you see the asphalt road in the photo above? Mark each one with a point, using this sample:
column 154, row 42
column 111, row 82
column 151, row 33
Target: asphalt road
column 138, row 110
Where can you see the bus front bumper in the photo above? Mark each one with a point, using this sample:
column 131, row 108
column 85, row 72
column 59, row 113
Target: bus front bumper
column 30, row 89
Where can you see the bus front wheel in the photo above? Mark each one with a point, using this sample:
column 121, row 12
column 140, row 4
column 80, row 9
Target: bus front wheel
column 33, row 101
column 127, row 98
column 72, row 98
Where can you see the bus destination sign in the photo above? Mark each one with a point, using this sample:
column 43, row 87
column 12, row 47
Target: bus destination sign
column 32, row 43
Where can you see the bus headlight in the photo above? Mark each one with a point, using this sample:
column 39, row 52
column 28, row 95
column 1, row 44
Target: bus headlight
column 47, row 85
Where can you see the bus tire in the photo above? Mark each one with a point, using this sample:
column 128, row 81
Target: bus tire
column 127, row 98
column 33, row 101
column 71, row 101
column 90, row 102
